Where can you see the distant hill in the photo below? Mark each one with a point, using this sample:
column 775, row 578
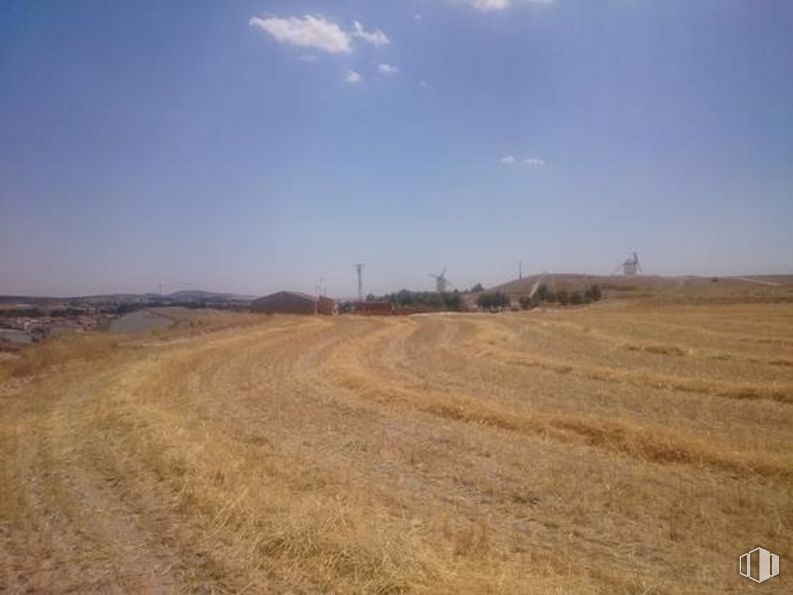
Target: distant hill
column 197, row 295
column 683, row 288
column 180, row 297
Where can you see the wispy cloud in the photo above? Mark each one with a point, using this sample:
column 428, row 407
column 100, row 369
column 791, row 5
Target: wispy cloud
column 530, row 161
column 352, row 77
column 489, row 5
column 310, row 31
column 496, row 5
column 387, row 69
column 317, row 32
column 375, row 37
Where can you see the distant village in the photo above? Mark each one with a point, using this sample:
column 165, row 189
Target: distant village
column 25, row 320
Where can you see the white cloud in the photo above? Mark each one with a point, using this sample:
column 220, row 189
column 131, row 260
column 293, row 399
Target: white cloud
column 309, row 31
column 489, row 5
column 352, row 77
column 530, row 161
column 388, row 69
column 495, row 5
column 418, row 16
column 376, row 37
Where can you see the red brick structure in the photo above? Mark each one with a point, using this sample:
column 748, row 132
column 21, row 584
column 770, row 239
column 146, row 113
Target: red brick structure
column 375, row 308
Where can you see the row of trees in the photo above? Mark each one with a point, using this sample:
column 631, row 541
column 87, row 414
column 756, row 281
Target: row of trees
column 494, row 300
column 497, row 299
column 419, row 300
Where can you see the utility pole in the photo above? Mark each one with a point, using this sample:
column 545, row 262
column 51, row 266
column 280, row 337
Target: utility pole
column 520, row 269
column 359, row 269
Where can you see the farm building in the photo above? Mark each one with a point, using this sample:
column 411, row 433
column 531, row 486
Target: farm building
column 289, row 302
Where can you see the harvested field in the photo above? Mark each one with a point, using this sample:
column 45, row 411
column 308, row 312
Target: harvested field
column 621, row 448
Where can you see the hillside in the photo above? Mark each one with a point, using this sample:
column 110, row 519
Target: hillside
column 621, row 449
column 686, row 289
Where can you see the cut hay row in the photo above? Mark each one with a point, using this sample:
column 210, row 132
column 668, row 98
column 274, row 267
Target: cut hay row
column 492, row 345
column 344, row 368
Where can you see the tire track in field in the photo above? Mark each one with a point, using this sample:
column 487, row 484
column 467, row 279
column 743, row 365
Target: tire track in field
column 108, row 513
column 187, row 458
column 58, row 508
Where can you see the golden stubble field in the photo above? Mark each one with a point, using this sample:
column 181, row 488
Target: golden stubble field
column 611, row 449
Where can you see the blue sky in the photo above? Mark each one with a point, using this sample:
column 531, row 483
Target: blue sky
column 254, row 146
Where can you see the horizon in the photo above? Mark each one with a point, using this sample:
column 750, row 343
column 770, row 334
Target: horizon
column 350, row 296
column 265, row 145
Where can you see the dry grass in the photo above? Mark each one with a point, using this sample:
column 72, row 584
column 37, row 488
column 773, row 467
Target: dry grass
column 605, row 450
column 58, row 352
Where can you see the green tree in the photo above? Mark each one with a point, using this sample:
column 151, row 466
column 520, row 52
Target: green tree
column 452, row 301
column 526, row 302
column 592, row 293
column 493, row 300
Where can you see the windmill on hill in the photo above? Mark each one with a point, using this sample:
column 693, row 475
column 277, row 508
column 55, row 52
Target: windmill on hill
column 630, row 267
column 441, row 282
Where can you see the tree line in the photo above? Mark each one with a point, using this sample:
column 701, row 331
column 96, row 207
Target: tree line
column 488, row 300
column 497, row 299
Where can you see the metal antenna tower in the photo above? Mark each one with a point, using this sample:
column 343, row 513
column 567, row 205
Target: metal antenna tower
column 359, row 269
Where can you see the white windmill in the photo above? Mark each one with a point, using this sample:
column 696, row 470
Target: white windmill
column 630, row 267
column 441, row 282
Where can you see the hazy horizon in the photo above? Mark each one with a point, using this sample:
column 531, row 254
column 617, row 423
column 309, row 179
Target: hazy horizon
column 351, row 294
column 260, row 146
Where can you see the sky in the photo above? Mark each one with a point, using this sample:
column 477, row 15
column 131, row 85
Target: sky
column 253, row 146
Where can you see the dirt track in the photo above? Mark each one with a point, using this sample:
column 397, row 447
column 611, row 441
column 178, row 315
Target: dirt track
column 610, row 449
